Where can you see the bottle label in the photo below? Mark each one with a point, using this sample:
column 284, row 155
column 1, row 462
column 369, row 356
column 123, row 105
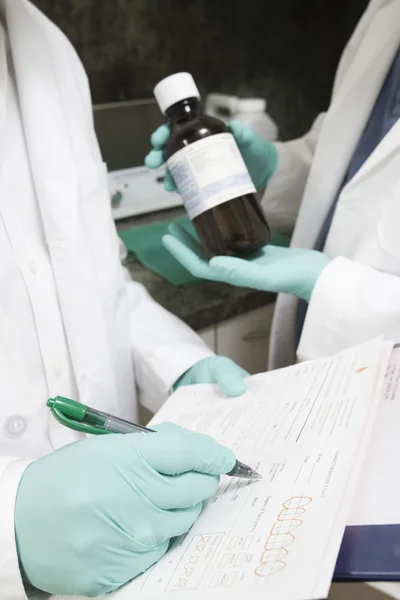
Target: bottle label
column 210, row 172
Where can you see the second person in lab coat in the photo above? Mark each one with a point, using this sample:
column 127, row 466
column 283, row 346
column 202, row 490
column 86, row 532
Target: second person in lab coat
column 339, row 186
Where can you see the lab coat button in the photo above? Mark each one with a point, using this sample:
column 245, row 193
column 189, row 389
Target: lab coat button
column 15, row 426
column 33, row 267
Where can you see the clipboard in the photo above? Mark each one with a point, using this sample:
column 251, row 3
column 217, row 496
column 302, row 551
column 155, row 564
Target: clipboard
column 369, row 553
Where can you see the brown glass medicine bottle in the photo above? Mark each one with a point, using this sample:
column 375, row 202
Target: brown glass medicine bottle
column 209, row 173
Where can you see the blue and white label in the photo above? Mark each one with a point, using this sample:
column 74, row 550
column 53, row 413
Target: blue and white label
column 210, row 172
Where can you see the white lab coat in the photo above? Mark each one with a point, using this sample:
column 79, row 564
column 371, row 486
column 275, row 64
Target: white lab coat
column 119, row 339
column 358, row 294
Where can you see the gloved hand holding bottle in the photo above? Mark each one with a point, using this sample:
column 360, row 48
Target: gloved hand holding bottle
column 273, row 269
column 260, row 156
column 95, row 514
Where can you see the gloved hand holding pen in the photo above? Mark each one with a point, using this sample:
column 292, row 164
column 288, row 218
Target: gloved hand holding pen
column 95, row 514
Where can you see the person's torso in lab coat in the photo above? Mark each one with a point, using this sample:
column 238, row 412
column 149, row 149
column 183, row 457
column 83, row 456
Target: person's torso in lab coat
column 48, row 345
column 364, row 227
column 34, row 354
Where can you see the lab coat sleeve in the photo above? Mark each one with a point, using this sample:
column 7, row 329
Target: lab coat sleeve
column 163, row 347
column 282, row 197
column 11, row 471
column 351, row 303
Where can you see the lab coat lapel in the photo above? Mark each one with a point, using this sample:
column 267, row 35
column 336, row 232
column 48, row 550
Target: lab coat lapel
column 58, row 188
column 3, row 88
column 344, row 122
column 47, row 139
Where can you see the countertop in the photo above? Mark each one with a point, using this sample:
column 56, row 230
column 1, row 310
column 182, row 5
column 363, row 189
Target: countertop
column 200, row 305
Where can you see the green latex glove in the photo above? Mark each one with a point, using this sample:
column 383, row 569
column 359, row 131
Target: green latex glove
column 273, row 269
column 216, row 369
column 95, row 514
column 260, row 156
column 155, row 158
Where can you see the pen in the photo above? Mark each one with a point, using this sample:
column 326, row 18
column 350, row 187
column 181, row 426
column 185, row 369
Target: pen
column 82, row 418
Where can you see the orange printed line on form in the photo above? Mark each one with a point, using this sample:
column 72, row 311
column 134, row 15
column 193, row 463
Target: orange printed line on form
column 280, row 538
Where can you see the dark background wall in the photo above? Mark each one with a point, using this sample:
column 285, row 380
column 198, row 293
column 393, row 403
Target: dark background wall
column 284, row 50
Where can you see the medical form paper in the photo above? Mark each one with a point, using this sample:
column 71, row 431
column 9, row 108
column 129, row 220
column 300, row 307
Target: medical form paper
column 305, row 429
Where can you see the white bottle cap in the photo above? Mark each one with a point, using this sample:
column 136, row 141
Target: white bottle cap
column 252, row 105
column 175, row 88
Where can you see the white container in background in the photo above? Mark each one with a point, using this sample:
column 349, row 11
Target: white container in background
column 251, row 111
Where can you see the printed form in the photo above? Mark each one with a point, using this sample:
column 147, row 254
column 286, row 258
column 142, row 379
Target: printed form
column 305, row 429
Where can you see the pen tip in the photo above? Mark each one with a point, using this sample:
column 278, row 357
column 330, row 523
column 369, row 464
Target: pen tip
column 256, row 475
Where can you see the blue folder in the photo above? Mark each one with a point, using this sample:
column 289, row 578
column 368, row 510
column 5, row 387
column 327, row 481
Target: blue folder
column 369, row 553
column 372, row 552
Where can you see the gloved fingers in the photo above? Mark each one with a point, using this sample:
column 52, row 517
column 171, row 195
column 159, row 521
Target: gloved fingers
column 141, row 562
column 161, row 525
column 193, row 262
column 160, row 137
column 100, row 582
column 278, row 262
column 170, row 492
column 229, row 376
column 186, row 379
column 154, row 159
column 177, row 522
column 173, row 450
column 187, row 238
column 223, row 362
column 144, row 561
column 243, row 134
column 244, row 273
column 231, row 384
column 271, row 251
